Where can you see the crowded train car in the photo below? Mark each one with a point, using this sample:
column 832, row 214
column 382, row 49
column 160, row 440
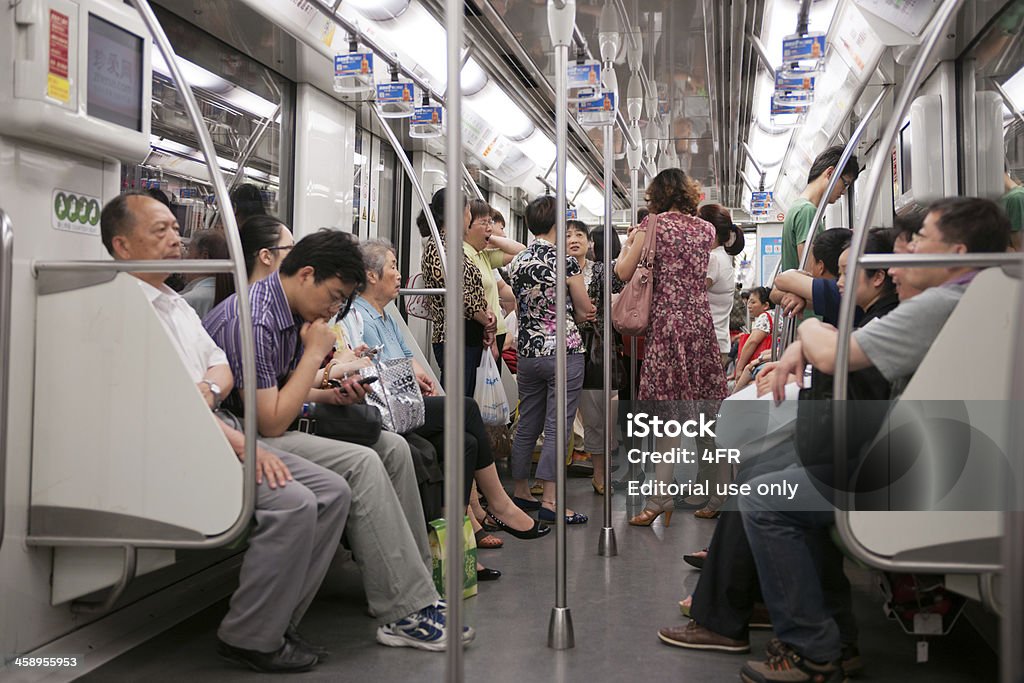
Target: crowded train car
column 735, row 316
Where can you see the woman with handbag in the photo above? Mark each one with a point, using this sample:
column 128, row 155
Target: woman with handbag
column 592, row 397
column 682, row 363
column 481, row 323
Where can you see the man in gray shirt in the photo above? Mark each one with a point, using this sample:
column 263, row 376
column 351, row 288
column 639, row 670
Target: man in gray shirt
column 802, row 584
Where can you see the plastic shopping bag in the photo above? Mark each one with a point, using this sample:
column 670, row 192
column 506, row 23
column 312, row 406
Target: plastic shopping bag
column 490, row 393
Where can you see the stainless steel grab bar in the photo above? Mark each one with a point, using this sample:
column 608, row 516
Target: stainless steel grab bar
column 6, row 264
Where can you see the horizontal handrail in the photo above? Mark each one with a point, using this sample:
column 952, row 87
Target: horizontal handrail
column 164, row 266
column 875, row 261
column 422, row 291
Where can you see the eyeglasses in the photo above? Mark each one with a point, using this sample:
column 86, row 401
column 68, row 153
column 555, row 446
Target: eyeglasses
column 279, row 248
column 846, row 183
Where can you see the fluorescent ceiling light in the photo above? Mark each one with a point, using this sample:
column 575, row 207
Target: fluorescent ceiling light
column 195, row 75
column 497, row 109
column 172, row 146
column 574, row 179
column 592, row 200
column 379, row 10
column 539, row 149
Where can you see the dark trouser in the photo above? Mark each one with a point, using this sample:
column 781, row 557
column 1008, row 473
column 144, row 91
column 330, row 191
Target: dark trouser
column 291, row 546
column 476, row 446
column 471, row 358
column 500, row 342
column 807, row 599
column 728, row 585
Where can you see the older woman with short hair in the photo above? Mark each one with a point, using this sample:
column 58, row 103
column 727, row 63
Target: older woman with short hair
column 379, row 328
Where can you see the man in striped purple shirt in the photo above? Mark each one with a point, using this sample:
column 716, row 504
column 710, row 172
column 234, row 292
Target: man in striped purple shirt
column 386, row 528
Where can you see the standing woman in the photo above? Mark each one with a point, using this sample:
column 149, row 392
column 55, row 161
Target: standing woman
column 480, row 322
column 532, row 275
column 488, row 251
column 580, row 241
column 721, row 280
column 682, row 361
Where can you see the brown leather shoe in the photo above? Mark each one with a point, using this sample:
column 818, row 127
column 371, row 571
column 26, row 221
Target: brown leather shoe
column 696, row 637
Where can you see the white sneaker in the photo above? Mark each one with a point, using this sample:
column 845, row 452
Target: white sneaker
column 425, row 629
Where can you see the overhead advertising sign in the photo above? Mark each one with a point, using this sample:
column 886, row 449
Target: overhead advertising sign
column 810, row 47
column 353, row 64
column 585, row 75
column 760, row 206
column 395, row 92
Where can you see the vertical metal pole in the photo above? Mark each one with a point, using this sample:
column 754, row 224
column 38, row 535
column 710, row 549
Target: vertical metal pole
column 633, row 502
column 560, row 628
column 454, row 347
column 6, row 264
column 1012, row 623
column 606, row 544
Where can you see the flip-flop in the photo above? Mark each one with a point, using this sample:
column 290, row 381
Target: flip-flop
column 487, row 541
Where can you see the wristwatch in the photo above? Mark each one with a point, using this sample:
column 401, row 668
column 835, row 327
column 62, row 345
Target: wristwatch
column 215, row 390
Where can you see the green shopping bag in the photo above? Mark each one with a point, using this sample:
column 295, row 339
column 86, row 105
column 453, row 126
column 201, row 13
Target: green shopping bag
column 438, row 536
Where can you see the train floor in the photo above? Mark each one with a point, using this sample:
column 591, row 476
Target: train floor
column 617, row 606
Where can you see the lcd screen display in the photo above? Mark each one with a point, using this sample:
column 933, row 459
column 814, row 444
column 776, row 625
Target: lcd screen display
column 905, row 165
column 115, row 74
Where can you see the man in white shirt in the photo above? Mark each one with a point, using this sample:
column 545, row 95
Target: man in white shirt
column 301, row 507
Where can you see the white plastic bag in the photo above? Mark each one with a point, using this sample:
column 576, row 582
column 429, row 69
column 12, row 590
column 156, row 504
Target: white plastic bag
column 490, row 393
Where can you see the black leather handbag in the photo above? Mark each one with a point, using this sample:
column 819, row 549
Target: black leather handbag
column 357, row 423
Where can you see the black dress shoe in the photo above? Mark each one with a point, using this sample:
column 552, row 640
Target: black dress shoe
column 288, row 659
column 536, row 531
column 486, row 574
column 294, row 636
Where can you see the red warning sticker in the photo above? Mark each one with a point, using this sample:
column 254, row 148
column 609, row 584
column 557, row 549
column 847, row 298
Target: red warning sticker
column 57, row 85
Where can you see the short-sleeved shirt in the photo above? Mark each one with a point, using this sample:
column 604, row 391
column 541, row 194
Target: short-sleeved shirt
column 1013, row 204
column 796, row 230
column 722, row 274
column 199, row 294
column 380, row 329
column 897, row 343
column 275, row 333
column 486, row 261
column 532, row 276
column 197, row 350
column 825, row 299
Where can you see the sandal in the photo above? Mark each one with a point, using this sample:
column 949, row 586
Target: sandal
column 707, row 513
column 548, row 516
column 487, row 541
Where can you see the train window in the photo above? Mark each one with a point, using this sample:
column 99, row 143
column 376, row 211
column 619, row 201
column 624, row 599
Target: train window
column 243, row 104
column 995, row 67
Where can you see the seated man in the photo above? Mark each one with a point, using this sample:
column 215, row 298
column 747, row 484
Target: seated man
column 290, row 310
column 301, row 508
column 783, row 535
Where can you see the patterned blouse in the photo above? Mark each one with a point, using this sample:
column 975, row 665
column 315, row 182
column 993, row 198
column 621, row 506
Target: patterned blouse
column 474, row 298
column 532, row 276
column 593, row 276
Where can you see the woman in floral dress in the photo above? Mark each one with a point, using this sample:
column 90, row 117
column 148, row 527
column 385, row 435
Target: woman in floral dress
column 682, row 362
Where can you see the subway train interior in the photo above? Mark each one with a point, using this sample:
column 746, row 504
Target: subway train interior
column 139, row 535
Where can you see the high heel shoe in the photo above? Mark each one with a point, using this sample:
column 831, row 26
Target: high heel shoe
column 536, row 531
column 599, row 486
column 655, row 507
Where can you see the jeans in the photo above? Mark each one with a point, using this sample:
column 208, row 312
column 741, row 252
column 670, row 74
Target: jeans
column 536, row 379
column 797, row 565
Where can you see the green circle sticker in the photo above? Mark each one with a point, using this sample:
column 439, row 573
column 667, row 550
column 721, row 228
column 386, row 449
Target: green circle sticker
column 92, row 212
column 73, row 208
column 60, row 206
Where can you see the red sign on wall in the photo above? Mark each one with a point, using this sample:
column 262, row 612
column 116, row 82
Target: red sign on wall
column 57, row 85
